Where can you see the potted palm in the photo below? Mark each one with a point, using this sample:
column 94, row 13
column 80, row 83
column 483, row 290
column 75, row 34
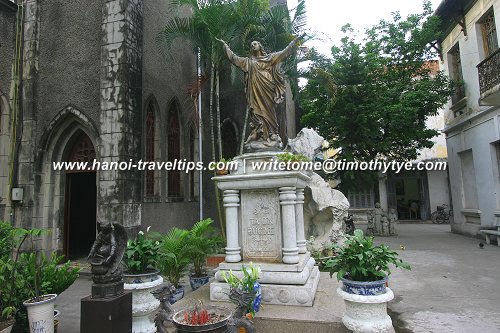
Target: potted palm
column 40, row 278
column 203, row 241
column 141, row 277
column 364, row 269
column 174, row 259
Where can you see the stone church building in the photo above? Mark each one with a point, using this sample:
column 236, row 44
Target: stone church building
column 85, row 80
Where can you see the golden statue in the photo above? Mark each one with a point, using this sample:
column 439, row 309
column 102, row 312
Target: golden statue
column 265, row 87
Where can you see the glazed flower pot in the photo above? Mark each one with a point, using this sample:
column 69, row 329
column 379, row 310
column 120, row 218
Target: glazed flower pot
column 41, row 314
column 367, row 288
column 177, row 295
column 367, row 314
column 197, row 282
column 144, row 304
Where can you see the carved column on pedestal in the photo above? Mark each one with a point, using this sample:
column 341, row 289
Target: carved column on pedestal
column 231, row 204
column 299, row 221
column 287, row 202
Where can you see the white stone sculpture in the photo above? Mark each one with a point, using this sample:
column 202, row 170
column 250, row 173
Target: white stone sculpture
column 324, row 212
column 306, row 143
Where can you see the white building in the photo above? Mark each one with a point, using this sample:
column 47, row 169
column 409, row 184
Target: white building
column 471, row 55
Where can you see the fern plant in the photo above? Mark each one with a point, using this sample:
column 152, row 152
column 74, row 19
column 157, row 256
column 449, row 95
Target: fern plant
column 203, row 241
column 174, row 255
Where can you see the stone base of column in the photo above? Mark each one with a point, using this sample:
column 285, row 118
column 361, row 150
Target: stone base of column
column 282, row 284
column 233, row 254
column 302, row 246
column 280, row 294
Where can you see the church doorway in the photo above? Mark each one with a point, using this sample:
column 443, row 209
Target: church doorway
column 80, row 200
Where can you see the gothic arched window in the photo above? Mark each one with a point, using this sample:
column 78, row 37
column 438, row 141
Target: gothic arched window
column 150, row 148
column 174, row 152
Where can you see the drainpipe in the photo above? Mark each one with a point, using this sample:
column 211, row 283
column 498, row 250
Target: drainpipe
column 16, row 112
column 200, row 141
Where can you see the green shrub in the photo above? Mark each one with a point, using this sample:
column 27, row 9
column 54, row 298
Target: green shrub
column 203, row 241
column 6, row 239
column 142, row 253
column 360, row 260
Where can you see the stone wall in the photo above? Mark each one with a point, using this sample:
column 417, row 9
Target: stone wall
column 7, row 41
column 70, row 38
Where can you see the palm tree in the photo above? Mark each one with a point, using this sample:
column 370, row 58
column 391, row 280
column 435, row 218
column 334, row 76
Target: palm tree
column 237, row 22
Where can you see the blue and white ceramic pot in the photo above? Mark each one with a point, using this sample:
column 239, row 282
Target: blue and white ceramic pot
column 197, row 282
column 177, row 295
column 367, row 288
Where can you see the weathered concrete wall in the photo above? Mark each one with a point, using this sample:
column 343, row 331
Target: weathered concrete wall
column 119, row 192
column 70, row 40
column 7, row 40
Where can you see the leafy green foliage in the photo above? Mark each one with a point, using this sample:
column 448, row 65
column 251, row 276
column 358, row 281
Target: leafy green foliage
column 6, row 239
column 287, row 156
column 203, row 241
column 251, row 274
column 360, row 260
column 174, row 255
column 372, row 98
column 142, row 253
column 30, row 274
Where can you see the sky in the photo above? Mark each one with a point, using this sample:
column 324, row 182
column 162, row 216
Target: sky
column 328, row 16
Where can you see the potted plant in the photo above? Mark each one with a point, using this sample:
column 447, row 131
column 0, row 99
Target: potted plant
column 42, row 278
column 364, row 269
column 245, row 292
column 291, row 161
column 141, row 277
column 31, row 276
column 222, row 167
column 203, row 241
column 174, row 259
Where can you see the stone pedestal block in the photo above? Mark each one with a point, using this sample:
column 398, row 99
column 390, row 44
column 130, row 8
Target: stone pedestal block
column 106, row 315
column 274, row 293
column 265, row 225
column 367, row 314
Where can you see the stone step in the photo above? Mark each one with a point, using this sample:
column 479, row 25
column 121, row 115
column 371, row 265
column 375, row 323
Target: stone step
column 324, row 316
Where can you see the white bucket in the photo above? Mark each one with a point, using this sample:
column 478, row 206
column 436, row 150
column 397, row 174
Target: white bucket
column 41, row 314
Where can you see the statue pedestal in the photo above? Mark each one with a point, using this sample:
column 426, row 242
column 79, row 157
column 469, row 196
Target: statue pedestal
column 106, row 315
column 265, row 225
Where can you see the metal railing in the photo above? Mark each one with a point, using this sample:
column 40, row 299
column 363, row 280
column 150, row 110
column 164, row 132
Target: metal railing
column 489, row 71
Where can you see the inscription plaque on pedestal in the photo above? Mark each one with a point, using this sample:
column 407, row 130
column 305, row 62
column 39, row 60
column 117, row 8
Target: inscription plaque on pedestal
column 261, row 226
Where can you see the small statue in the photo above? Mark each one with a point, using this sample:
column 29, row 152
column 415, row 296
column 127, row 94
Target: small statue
column 370, row 229
column 106, row 259
column 349, row 224
column 265, row 88
column 377, row 219
column 384, row 225
column 164, row 316
column 393, row 218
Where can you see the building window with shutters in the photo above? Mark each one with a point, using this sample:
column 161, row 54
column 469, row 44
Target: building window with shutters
column 489, row 34
column 362, row 198
column 455, row 69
